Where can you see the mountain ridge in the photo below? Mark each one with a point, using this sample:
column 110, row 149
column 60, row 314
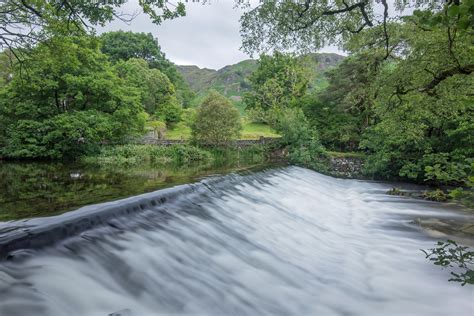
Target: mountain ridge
column 232, row 80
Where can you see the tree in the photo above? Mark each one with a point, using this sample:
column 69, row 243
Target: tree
column 302, row 141
column 312, row 24
column 217, row 121
column 27, row 22
column 157, row 93
column 122, row 46
column 343, row 110
column 69, row 85
column 277, row 82
column 424, row 116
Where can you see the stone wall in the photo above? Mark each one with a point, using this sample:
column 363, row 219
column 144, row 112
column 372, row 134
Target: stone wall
column 346, row 167
column 237, row 143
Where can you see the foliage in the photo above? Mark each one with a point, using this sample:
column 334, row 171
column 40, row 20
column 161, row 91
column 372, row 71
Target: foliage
column 157, row 93
column 67, row 135
column 26, row 23
column 188, row 116
column 43, row 106
column 398, row 192
column 310, row 25
column 465, row 194
column 134, row 155
column 338, row 129
column 451, row 255
column 302, row 141
column 233, row 80
column 436, row 195
column 345, row 108
column 415, row 105
column 122, row 46
column 217, row 121
column 277, row 82
column 158, row 128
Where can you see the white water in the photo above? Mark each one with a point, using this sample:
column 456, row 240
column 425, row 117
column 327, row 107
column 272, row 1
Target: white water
column 284, row 242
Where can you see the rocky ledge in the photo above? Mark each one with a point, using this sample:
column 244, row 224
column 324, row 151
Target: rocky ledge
column 346, row 167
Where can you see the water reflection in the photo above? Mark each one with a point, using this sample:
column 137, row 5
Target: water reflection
column 43, row 189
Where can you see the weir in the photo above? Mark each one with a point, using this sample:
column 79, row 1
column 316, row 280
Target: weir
column 287, row 241
column 36, row 233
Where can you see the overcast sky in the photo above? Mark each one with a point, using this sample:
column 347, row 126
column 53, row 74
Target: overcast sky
column 208, row 36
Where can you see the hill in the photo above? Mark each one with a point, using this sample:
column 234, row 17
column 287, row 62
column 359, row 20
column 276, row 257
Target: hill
column 232, row 80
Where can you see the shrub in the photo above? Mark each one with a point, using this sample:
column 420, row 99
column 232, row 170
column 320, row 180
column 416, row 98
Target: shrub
column 217, row 121
column 67, row 135
column 451, row 255
column 436, row 195
column 302, row 141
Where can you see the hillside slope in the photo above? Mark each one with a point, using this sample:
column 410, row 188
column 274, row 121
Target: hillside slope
column 232, row 80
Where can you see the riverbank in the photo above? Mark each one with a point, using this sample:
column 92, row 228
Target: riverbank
column 37, row 189
column 351, row 165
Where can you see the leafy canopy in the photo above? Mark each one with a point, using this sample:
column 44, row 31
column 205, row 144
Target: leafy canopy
column 278, row 81
column 217, row 121
column 122, row 46
column 70, row 81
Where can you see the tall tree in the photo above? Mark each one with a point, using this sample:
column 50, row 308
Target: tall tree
column 121, row 45
column 278, row 81
column 157, row 93
column 312, row 24
column 25, row 22
column 69, row 98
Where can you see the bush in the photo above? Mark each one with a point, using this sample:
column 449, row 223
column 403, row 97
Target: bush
column 436, row 195
column 67, row 135
column 188, row 116
column 217, row 121
column 465, row 195
column 302, row 141
column 170, row 111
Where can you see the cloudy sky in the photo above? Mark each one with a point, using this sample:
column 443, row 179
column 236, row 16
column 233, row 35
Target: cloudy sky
column 208, row 36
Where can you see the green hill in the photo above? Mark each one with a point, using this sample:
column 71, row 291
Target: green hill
column 232, row 80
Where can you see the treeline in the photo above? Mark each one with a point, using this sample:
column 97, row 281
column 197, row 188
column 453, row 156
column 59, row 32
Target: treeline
column 68, row 94
column 405, row 101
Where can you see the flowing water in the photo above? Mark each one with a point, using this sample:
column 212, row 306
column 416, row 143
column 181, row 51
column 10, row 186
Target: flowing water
column 287, row 241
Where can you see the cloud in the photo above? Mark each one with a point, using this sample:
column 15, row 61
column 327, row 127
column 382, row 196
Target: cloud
column 208, row 36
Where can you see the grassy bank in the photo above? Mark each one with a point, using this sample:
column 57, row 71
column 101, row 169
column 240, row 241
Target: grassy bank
column 249, row 131
column 134, row 155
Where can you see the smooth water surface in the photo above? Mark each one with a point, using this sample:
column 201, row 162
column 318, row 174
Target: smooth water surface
column 287, row 241
column 43, row 189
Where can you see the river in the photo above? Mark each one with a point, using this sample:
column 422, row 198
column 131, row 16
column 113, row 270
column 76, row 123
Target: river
column 281, row 241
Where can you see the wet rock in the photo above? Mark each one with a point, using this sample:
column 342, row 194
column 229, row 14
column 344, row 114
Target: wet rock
column 123, row 312
column 346, row 167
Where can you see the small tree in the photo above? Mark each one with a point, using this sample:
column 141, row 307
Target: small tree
column 217, row 121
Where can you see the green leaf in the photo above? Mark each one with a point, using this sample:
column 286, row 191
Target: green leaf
column 453, row 10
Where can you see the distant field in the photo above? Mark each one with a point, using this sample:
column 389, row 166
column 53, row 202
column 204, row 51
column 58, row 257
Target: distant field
column 249, row 131
column 257, row 130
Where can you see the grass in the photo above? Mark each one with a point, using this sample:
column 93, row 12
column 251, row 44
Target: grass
column 249, row 131
column 178, row 131
column 257, row 130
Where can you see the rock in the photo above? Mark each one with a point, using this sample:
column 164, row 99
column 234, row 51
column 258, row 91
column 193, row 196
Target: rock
column 123, row 312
